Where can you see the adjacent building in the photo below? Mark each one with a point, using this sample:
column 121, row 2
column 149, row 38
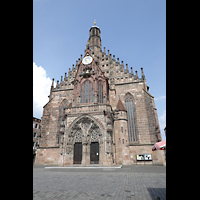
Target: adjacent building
column 36, row 135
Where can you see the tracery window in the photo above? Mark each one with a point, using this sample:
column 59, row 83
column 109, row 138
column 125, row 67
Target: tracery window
column 100, row 92
column 87, row 95
column 132, row 135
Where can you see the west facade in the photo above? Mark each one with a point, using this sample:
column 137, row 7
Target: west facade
column 99, row 114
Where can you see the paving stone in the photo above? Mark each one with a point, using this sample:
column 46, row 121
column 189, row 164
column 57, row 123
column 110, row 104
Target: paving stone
column 129, row 182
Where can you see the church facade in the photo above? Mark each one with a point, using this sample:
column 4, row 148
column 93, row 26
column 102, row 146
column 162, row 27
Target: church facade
column 99, row 114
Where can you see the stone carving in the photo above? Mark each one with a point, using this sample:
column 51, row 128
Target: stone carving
column 78, row 137
column 85, row 130
column 68, row 149
column 85, row 127
column 95, row 135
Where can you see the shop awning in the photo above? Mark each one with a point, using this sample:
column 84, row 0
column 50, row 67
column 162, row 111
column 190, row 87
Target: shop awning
column 159, row 146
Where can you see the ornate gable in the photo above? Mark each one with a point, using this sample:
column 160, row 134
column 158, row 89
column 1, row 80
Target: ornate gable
column 90, row 80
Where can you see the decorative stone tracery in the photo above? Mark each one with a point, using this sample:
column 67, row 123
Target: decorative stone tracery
column 85, row 130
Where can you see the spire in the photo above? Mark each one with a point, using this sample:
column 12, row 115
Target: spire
column 94, row 38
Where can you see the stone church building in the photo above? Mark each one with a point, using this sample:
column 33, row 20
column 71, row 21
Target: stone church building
column 99, row 114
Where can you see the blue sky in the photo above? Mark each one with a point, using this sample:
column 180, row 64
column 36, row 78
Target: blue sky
column 133, row 30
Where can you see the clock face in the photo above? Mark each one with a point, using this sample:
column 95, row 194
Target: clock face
column 87, row 60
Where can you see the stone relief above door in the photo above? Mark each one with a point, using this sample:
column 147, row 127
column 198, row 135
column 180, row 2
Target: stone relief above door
column 84, row 130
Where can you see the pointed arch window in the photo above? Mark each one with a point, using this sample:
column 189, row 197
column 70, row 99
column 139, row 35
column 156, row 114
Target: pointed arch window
column 87, row 95
column 100, row 92
column 132, row 135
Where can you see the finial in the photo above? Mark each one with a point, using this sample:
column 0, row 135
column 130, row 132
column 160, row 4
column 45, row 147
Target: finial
column 136, row 74
column 95, row 22
column 61, row 79
column 142, row 73
column 132, row 70
column 52, row 82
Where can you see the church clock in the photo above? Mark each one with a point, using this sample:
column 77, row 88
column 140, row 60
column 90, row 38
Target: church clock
column 87, row 60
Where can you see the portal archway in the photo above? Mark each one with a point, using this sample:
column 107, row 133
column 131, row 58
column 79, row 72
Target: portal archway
column 85, row 138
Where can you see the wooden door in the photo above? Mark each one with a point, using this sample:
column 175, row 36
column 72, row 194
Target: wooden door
column 94, row 153
column 77, row 153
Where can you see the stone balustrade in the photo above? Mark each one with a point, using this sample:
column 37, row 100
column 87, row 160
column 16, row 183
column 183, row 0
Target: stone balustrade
column 88, row 109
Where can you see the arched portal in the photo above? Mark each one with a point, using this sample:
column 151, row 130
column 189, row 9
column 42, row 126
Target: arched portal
column 84, row 137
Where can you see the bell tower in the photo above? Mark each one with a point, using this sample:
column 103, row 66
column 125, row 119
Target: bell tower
column 95, row 39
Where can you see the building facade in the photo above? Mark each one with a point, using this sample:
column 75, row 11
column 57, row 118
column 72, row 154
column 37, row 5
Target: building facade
column 36, row 135
column 99, row 114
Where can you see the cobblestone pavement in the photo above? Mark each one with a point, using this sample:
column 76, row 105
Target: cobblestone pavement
column 138, row 182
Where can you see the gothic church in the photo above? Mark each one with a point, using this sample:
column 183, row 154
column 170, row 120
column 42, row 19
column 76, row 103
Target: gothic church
column 100, row 114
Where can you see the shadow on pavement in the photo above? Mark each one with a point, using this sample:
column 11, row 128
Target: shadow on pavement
column 157, row 193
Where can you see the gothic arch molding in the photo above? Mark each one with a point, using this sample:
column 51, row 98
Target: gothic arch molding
column 99, row 124
column 128, row 96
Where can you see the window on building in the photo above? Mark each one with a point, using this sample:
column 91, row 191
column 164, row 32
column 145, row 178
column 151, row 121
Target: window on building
column 58, row 137
column 122, row 129
column 132, row 135
column 100, row 92
column 123, row 141
column 87, row 93
column 35, row 135
column 36, row 125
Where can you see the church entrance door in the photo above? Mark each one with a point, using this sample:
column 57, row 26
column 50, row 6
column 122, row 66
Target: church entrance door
column 94, row 153
column 77, row 153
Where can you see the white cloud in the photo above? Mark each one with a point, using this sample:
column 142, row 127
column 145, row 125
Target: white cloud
column 162, row 122
column 41, row 90
column 159, row 98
